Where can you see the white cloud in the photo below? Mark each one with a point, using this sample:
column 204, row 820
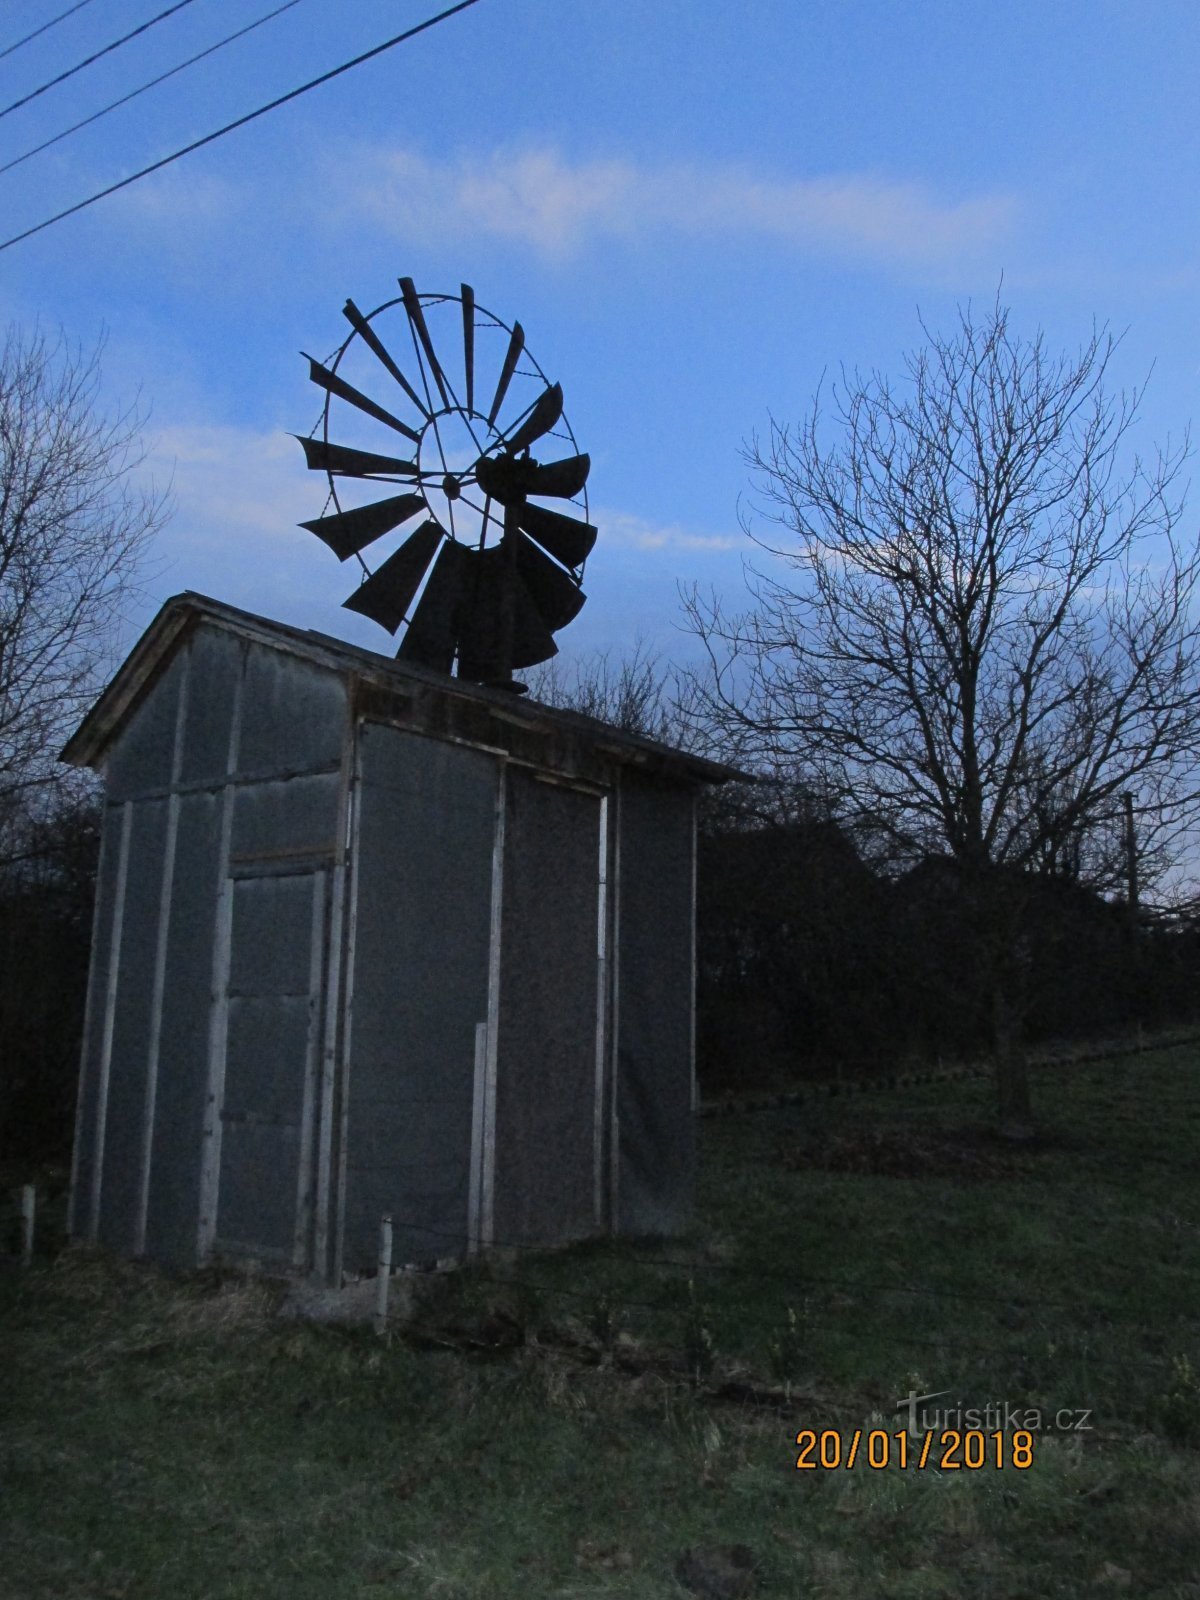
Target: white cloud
column 623, row 529
column 229, row 481
column 181, row 205
column 240, row 492
column 537, row 197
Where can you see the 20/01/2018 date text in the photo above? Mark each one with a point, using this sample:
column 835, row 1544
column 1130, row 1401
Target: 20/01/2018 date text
column 947, row 1451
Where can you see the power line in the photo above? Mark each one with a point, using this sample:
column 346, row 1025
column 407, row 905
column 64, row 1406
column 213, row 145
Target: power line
column 108, row 49
column 250, row 116
column 162, row 78
column 62, row 16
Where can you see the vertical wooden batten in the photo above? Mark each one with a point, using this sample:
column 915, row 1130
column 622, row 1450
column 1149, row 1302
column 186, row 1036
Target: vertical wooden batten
column 89, row 1007
column 210, row 1161
column 160, row 963
column 488, row 1166
column 110, row 1013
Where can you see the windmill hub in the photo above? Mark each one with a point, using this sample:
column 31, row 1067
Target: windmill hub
column 451, row 487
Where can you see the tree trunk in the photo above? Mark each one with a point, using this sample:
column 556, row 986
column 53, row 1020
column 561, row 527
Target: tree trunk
column 1001, row 909
column 1011, row 1064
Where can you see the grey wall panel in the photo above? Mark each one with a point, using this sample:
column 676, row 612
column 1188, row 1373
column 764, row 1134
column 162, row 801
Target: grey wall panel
column 85, row 1128
column 654, row 1066
column 269, row 1018
column 260, row 1135
column 264, row 1064
column 216, row 665
column 121, row 1184
column 268, row 1024
column 298, row 814
column 546, row 1064
column 272, row 936
column 429, row 1189
column 419, row 988
column 257, row 1205
column 293, row 714
column 140, row 759
column 183, row 1071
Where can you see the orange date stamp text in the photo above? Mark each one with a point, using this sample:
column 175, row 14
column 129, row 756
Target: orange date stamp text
column 947, row 1450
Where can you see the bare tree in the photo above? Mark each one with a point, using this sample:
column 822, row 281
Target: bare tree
column 73, row 528
column 634, row 693
column 984, row 633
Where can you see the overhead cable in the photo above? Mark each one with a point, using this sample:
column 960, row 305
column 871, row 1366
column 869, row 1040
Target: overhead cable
column 108, row 50
column 133, row 94
column 61, row 17
column 250, row 116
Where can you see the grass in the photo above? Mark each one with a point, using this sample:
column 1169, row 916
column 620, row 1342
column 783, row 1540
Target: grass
column 165, row 1437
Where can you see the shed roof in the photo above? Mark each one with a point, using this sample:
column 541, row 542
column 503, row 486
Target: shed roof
column 183, row 612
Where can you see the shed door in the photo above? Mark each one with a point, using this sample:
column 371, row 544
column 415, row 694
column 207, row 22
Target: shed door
column 272, row 1049
column 549, row 1014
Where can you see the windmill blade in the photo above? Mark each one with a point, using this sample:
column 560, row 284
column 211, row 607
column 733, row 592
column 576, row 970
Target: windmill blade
column 546, row 412
column 532, row 640
column 561, row 480
column 567, row 541
column 348, row 532
column 516, row 344
column 387, row 594
column 342, row 461
column 374, row 343
column 416, row 316
column 432, row 635
column 557, row 598
column 355, row 397
column 479, row 639
column 468, row 314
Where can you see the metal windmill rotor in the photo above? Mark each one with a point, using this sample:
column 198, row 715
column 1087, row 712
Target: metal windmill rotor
column 489, row 575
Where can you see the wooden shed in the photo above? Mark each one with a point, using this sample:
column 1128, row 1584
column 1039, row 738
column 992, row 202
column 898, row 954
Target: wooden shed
column 371, row 940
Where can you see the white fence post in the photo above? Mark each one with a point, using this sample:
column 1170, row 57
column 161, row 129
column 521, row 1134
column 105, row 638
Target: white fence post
column 28, row 1206
column 383, row 1277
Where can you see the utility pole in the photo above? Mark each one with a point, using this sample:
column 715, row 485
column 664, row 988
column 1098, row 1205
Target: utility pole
column 1131, row 872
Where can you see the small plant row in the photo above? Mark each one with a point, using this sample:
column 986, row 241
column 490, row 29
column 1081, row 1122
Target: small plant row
column 881, row 1082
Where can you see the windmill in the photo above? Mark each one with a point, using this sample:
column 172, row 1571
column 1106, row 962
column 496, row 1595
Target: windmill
column 489, row 574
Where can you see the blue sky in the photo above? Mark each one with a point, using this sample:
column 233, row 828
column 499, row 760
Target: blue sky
column 695, row 209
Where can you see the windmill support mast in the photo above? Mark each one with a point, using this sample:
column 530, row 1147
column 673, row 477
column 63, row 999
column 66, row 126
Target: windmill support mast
column 503, row 678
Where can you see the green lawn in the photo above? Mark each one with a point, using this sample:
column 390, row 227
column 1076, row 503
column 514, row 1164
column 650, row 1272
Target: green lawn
column 175, row 1439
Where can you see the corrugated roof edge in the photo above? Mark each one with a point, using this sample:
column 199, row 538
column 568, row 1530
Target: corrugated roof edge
column 178, row 614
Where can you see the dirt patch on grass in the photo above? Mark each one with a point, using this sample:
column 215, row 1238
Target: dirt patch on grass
column 971, row 1154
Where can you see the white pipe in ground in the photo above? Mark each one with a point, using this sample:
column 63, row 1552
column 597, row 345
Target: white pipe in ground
column 384, row 1273
column 28, row 1206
